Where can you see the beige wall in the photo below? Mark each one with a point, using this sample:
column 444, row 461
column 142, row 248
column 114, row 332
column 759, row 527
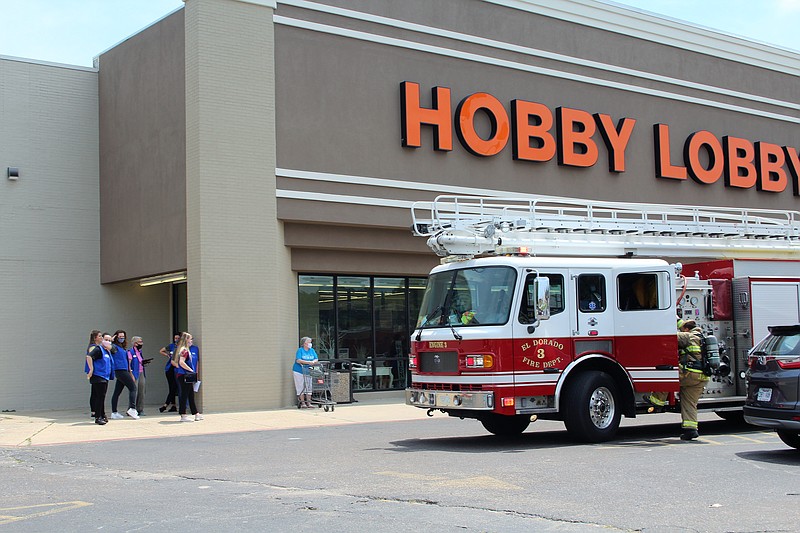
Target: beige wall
column 143, row 154
column 241, row 290
column 50, row 233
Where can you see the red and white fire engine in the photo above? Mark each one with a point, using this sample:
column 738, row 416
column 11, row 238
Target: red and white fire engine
column 565, row 309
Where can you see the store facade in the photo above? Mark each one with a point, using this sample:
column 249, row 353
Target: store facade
column 273, row 150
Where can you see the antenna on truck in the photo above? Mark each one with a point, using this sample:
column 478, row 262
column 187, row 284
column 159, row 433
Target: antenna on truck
column 469, row 226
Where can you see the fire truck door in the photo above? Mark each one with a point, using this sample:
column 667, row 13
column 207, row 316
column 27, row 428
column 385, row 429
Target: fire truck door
column 593, row 301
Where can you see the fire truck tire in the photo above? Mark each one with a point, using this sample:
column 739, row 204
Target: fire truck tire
column 790, row 438
column 591, row 411
column 506, row 426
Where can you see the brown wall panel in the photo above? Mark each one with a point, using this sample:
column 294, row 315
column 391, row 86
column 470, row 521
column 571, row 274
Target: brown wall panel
column 319, row 237
column 344, row 262
column 143, row 154
column 356, row 118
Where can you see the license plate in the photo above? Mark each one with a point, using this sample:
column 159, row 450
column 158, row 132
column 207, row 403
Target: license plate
column 443, row 400
column 764, row 395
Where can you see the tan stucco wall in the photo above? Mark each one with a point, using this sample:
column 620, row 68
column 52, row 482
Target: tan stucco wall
column 241, row 291
column 50, row 291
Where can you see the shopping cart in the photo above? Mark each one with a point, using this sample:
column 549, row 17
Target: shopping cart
column 319, row 377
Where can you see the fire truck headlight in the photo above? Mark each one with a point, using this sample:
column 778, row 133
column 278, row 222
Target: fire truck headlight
column 422, row 397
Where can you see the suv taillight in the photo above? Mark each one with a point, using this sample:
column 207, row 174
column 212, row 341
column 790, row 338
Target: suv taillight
column 787, row 363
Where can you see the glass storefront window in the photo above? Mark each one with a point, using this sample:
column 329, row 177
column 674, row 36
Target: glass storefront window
column 364, row 321
column 316, row 313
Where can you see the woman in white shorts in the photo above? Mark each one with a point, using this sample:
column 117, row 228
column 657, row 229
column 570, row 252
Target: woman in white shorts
column 305, row 356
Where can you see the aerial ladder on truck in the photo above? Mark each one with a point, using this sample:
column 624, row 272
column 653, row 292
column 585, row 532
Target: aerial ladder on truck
column 473, row 230
column 468, row 226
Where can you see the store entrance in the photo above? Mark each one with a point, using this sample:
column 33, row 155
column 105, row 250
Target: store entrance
column 362, row 323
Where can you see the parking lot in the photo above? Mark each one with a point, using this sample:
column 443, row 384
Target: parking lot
column 388, row 467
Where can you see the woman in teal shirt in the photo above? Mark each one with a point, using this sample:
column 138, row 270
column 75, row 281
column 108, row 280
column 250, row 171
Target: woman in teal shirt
column 304, row 357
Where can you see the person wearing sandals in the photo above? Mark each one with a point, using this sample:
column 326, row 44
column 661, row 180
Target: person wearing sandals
column 186, row 365
column 302, row 380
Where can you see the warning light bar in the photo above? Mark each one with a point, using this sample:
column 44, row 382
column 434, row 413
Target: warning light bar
column 522, row 251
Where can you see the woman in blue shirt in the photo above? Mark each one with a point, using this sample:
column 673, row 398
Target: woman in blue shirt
column 186, row 366
column 100, row 371
column 95, row 338
column 305, row 356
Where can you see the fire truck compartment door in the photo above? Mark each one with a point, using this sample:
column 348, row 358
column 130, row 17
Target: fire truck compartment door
column 774, row 304
column 593, row 301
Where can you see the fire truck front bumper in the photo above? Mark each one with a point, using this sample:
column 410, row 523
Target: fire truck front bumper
column 429, row 399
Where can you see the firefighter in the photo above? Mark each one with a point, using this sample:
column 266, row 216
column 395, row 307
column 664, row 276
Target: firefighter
column 692, row 378
column 659, row 399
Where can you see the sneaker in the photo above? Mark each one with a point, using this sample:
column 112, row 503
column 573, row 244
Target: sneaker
column 116, row 416
column 172, row 409
column 132, row 413
column 100, row 421
column 185, row 418
column 198, row 417
column 142, row 413
column 689, row 434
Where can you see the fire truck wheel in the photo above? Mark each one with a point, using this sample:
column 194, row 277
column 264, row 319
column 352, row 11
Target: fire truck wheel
column 790, row 438
column 591, row 410
column 506, row 426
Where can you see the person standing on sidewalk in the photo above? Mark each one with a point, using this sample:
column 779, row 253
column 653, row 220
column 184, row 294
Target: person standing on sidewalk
column 124, row 376
column 95, row 338
column 304, row 357
column 137, row 369
column 101, row 369
column 186, row 375
column 167, row 351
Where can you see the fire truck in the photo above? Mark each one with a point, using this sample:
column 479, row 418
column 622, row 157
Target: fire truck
column 563, row 309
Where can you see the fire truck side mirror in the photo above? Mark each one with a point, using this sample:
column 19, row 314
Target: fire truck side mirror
column 542, row 287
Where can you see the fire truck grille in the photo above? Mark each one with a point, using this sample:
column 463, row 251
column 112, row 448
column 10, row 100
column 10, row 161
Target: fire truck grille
column 438, row 362
column 449, row 387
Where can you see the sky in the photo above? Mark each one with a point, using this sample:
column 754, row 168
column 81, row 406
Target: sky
column 75, row 31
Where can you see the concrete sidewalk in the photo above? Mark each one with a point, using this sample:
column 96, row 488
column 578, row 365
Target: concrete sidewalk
column 45, row 428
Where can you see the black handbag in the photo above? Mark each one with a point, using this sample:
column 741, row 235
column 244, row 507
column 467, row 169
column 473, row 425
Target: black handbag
column 190, row 377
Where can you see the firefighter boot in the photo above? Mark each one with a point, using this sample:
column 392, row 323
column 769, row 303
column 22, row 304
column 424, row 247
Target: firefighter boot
column 689, row 434
column 658, row 401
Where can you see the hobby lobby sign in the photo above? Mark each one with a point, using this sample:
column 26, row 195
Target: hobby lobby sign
column 538, row 134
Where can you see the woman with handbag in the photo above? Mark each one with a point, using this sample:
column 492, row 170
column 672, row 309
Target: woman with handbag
column 186, row 375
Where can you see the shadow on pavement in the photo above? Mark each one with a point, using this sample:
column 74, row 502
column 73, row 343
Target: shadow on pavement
column 646, row 436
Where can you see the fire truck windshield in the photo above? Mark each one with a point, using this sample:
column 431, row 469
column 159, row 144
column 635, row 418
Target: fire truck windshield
column 468, row 297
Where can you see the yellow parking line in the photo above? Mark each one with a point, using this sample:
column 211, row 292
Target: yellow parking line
column 57, row 508
column 757, row 441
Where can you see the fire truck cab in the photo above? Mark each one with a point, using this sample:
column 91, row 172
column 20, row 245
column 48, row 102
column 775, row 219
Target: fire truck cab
column 558, row 317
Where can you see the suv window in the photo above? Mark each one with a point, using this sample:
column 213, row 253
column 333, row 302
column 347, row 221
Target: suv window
column 781, row 341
